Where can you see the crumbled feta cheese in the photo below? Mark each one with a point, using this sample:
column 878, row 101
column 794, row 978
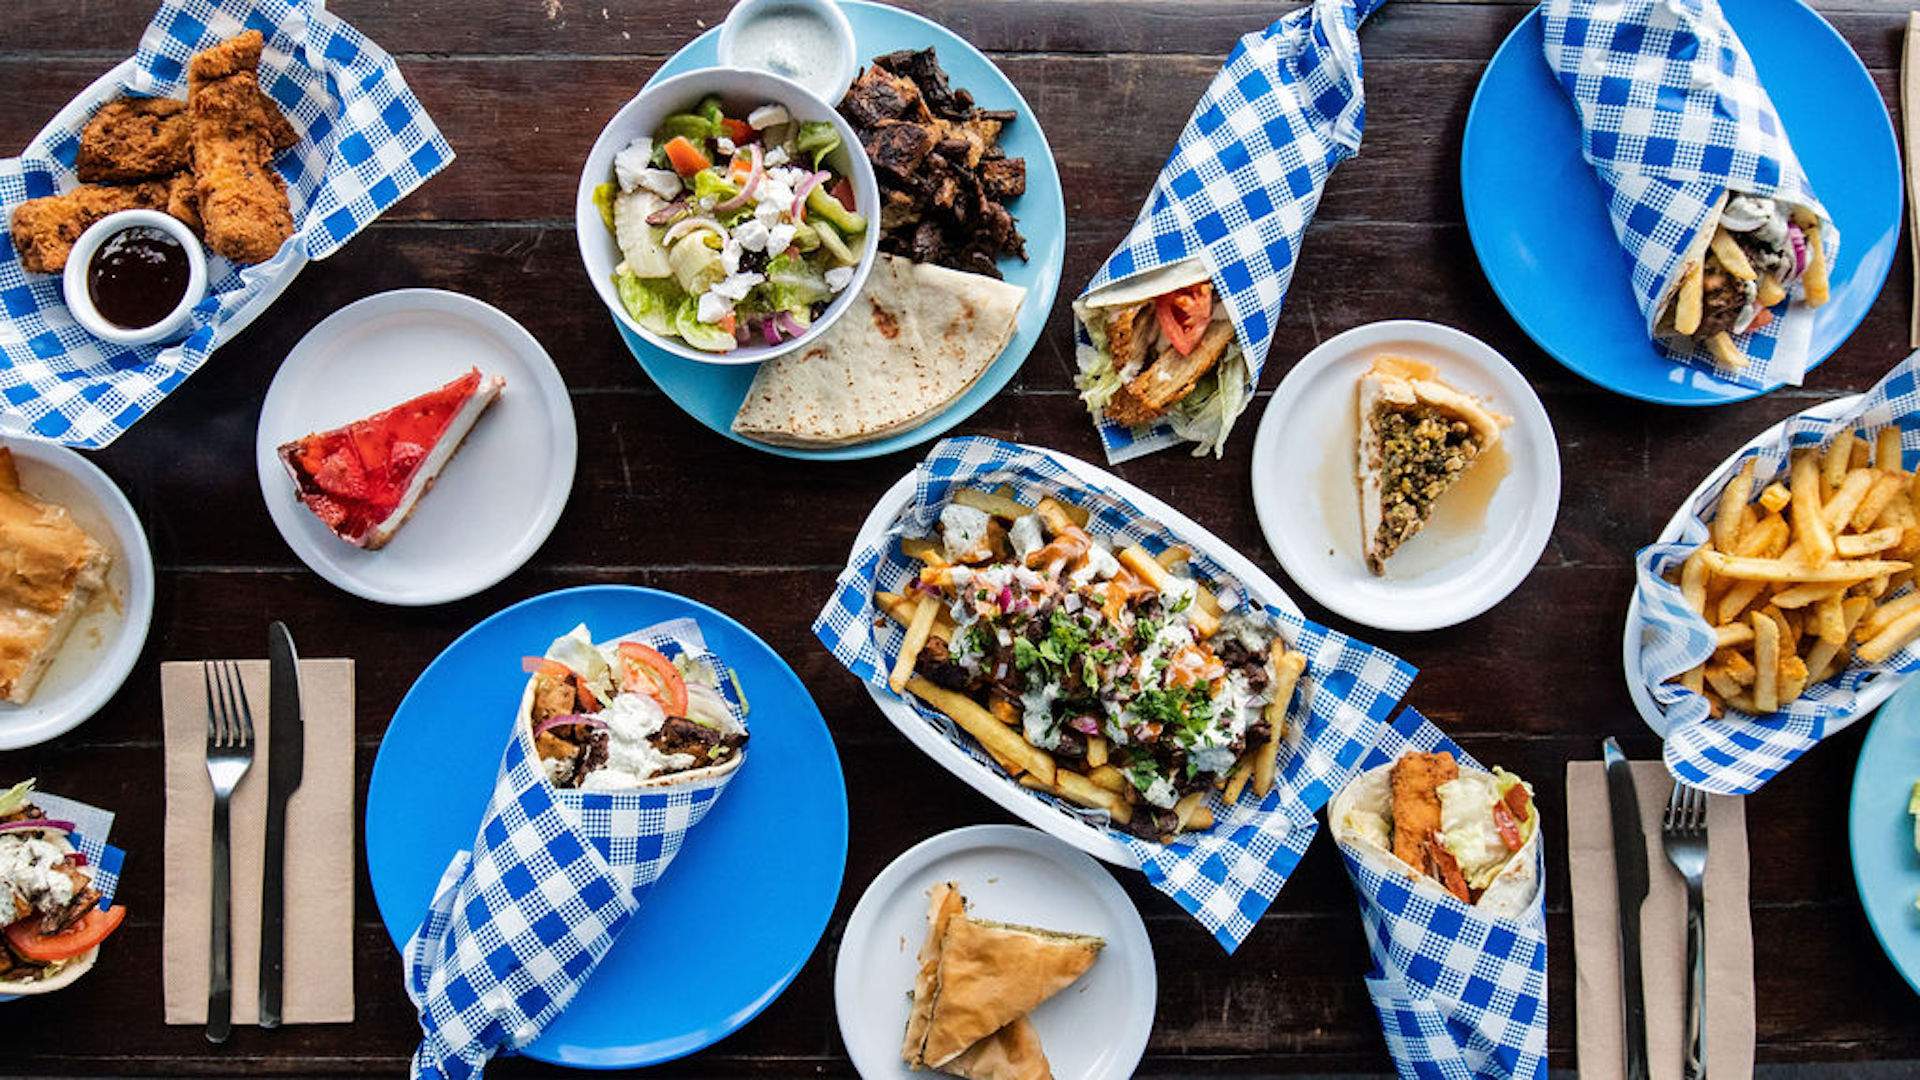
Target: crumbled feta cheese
column 962, row 530
column 775, row 156
column 662, row 182
column 1026, row 535
column 1100, row 566
column 766, row 116
column 780, row 237
column 630, row 163
column 839, row 277
column 713, row 306
column 737, row 286
column 725, row 144
column 772, row 196
column 730, row 255
column 752, row 234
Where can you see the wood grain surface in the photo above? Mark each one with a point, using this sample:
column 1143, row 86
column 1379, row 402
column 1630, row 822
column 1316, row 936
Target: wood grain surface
column 520, row 88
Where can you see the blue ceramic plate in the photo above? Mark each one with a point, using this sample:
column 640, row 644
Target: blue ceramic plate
column 712, row 393
column 1539, row 220
column 766, row 863
column 1886, row 868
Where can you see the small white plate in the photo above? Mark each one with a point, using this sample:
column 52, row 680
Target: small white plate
column 496, row 501
column 104, row 645
column 1485, row 537
column 1095, row 1029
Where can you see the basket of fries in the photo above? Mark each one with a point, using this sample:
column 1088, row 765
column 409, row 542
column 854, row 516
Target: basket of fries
column 1779, row 604
column 1099, row 665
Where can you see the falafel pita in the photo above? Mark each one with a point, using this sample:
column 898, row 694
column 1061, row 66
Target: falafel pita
column 916, row 338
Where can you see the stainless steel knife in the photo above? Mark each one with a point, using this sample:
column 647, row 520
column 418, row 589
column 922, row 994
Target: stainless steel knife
column 286, row 759
column 1630, row 874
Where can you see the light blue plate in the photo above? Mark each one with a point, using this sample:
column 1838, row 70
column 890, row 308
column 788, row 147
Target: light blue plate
column 1539, row 219
column 759, row 875
column 1886, row 868
column 712, row 393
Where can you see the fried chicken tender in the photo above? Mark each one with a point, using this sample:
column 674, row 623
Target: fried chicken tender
column 1416, row 778
column 243, row 202
column 1169, row 379
column 134, row 139
column 44, row 229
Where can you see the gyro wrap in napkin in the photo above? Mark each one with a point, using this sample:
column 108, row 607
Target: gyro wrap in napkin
column 1461, row 989
column 1227, row 876
column 89, row 837
column 1234, row 201
column 365, row 142
column 1739, row 753
column 1672, row 117
column 518, row 924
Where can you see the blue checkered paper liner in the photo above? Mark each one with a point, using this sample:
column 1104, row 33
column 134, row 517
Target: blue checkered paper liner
column 1462, row 993
column 1739, row 753
column 89, row 837
column 365, row 143
column 1672, row 115
column 1228, row 876
column 518, row 924
column 1244, row 180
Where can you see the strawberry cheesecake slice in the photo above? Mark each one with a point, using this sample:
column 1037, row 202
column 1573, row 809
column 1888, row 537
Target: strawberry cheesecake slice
column 365, row 478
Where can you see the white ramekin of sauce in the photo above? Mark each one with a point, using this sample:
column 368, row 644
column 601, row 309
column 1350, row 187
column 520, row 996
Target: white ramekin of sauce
column 807, row 41
column 134, row 277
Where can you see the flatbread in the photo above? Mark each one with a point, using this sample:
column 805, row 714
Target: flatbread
column 916, row 338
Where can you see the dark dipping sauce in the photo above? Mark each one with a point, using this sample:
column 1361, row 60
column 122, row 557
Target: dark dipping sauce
column 137, row 277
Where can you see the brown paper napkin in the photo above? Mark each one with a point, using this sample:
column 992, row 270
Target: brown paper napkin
column 1663, row 931
column 320, row 830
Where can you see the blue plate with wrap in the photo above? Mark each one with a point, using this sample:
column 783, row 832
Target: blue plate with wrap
column 1539, row 222
column 765, row 864
column 712, row 393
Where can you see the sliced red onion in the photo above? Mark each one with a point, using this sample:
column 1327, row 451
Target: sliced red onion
column 77, row 858
column 747, row 189
column 800, row 195
column 770, row 330
column 52, row 825
column 1085, row 725
column 1005, row 599
column 565, row 719
column 742, row 332
column 1799, row 241
column 789, row 325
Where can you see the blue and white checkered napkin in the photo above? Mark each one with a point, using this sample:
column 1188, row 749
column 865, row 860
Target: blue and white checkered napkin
column 1225, row 877
column 1461, row 992
column 1241, row 187
column 365, row 142
column 518, row 924
column 1738, row 753
column 1672, row 116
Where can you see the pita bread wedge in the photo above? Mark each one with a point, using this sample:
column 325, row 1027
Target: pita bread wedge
column 1418, row 437
column 1012, row 1053
column 991, row 974
column 915, row 339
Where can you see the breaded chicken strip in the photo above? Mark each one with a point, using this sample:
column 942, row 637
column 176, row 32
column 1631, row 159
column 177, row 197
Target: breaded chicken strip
column 45, row 229
column 1415, row 782
column 1169, row 379
column 134, row 139
column 243, row 202
column 1129, row 336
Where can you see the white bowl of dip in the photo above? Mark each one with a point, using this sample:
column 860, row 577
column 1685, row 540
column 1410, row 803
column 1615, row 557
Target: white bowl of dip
column 75, row 279
column 807, row 41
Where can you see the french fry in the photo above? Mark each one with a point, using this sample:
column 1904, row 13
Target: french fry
column 1894, row 637
column 1694, row 678
column 1837, row 459
column 1789, row 571
column 1004, row 711
column 992, row 503
column 1740, row 668
column 1174, row 556
column 1886, row 449
column 1733, row 503
column 1084, row 791
column 1053, row 514
column 1766, row 540
column 1809, row 526
column 979, row 723
column 1693, row 580
column 1789, row 629
column 1237, row 779
column 1813, row 280
column 1766, row 663
column 1725, row 352
column 1687, row 303
column 1847, row 496
column 1108, row 777
column 901, row 609
column 1722, row 680
column 1201, row 821
column 1136, row 558
column 1771, row 292
column 1737, row 599
column 1287, row 668
column 1885, row 487
column 1856, row 545
column 1799, row 596
column 1096, row 751
column 917, row 630
column 1732, row 259
column 1732, row 634
column 924, row 549
column 1793, row 678
column 1775, row 497
column 1189, row 803
column 1830, row 620
column 1825, row 658
column 1879, row 618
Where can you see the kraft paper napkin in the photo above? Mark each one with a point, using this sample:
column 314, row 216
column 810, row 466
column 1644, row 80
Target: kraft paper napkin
column 320, row 857
column 1601, row 1035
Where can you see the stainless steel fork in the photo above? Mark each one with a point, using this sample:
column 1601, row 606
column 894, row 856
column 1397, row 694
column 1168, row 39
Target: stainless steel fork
column 1683, row 832
column 229, row 755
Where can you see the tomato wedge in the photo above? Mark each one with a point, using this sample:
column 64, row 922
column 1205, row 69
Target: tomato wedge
column 1517, row 801
column 739, row 131
column 685, row 157
column 1508, row 828
column 650, row 672
column 842, row 192
column 1184, row 313
column 90, row 930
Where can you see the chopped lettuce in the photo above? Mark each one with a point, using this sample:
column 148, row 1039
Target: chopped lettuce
column 694, row 129
column 577, row 652
column 603, row 196
column 818, row 138
column 713, row 112
column 1206, row 416
column 1098, row 380
column 651, row 301
column 703, row 336
column 794, row 284
column 708, row 184
column 15, row 799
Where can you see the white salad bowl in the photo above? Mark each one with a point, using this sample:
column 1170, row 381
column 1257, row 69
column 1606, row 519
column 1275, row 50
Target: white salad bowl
column 742, row 90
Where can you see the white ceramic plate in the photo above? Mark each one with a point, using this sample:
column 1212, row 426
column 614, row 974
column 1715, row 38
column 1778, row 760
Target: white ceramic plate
column 1630, row 639
column 1095, row 1029
column 1485, row 536
column 496, row 501
column 1093, row 839
column 106, row 642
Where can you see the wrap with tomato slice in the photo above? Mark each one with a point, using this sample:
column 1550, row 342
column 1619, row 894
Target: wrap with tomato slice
column 1469, row 832
column 54, row 923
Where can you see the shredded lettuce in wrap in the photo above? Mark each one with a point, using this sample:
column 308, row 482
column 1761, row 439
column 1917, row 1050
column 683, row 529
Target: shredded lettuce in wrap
column 16, row 798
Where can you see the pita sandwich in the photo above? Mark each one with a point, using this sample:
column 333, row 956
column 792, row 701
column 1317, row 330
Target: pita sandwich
column 916, row 338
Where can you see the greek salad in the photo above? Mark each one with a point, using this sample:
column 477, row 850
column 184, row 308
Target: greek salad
column 732, row 231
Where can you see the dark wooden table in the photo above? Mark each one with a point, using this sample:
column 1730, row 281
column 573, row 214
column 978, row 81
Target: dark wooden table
column 521, row 89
